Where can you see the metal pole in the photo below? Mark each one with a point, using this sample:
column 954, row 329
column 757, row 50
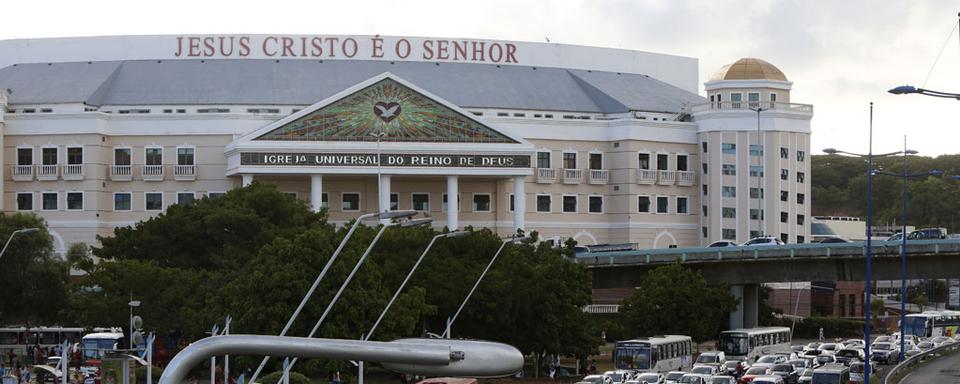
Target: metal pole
column 150, row 340
column 903, row 254
column 866, row 366
column 343, row 287
column 226, row 358
column 446, row 333
column 316, row 283
column 65, row 362
column 213, row 358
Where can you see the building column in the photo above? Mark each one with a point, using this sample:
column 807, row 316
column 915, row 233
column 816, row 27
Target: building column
column 751, row 305
column 3, row 132
column 316, row 192
column 519, row 202
column 453, row 202
column 736, row 317
column 384, row 196
column 246, row 179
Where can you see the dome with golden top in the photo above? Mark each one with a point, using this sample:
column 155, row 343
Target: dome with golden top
column 749, row 69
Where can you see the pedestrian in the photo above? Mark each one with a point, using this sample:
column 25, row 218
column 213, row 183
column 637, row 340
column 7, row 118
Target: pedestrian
column 3, row 369
column 821, row 333
column 336, row 377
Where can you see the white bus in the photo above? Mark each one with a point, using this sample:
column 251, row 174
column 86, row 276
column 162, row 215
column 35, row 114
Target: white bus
column 94, row 346
column 932, row 323
column 751, row 343
column 654, row 354
column 17, row 339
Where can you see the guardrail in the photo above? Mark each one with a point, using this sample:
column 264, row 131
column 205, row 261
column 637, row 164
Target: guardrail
column 855, row 249
column 896, row 373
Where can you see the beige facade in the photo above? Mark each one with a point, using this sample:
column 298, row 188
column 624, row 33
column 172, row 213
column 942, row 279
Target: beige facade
column 655, row 179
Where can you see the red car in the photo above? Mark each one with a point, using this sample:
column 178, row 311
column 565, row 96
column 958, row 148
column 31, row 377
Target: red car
column 752, row 373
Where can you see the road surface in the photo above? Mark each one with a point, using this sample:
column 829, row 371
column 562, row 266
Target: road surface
column 940, row 371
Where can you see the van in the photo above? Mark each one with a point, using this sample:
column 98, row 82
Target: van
column 831, row 374
column 928, row 234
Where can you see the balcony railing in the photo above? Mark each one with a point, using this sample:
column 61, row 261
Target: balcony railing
column 666, row 177
column 686, row 178
column 22, row 172
column 747, row 105
column 646, row 176
column 48, row 172
column 546, row 175
column 152, row 172
column 120, row 173
column 572, row 176
column 73, row 172
column 185, row 172
column 598, row 176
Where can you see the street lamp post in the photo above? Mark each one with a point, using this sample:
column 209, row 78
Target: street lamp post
column 132, row 304
column 903, row 232
column 760, row 191
column 326, row 267
column 9, row 239
column 446, row 332
column 908, row 89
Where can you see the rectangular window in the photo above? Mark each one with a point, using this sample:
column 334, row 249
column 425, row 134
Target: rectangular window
column 324, row 200
column 153, row 201
column 735, row 99
column 773, row 99
column 543, row 159
column 663, row 162
column 682, row 205
column 443, row 204
column 703, row 232
column 800, row 198
column 754, row 99
column 704, row 165
column 756, row 150
column 662, row 204
column 729, row 192
column 481, row 202
column 394, row 201
column 421, row 201
column 704, row 210
column 843, row 305
column 185, row 156
column 49, row 201
column 644, row 161
column 75, row 155
column 596, row 161
column 800, row 177
column 596, row 204
column 729, row 169
column 784, row 196
column 543, row 203
column 48, row 156
column 784, row 217
column 756, row 214
column 681, row 162
column 569, row 204
column 121, row 156
column 121, row 201
column 756, row 170
column 800, row 219
column 350, row 202
column 153, row 156
column 643, row 204
column 728, row 213
column 800, row 239
column 703, row 145
column 186, row 198
column 728, row 234
column 784, row 238
column 756, row 193
column 24, row 156
column 784, row 152
column 24, row 201
column 74, row 201
column 754, row 234
column 570, row 160
column 784, row 174
column 853, row 304
column 728, row 148
column 801, row 155
column 705, row 189
column 511, row 203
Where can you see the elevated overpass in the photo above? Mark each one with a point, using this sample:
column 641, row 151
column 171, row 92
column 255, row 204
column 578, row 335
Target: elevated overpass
column 744, row 268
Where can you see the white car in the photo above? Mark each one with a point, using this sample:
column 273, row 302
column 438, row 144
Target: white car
column 723, row 243
column 763, row 241
column 723, row 379
column 649, row 378
column 695, row 378
column 673, row 377
column 830, row 348
column 768, row 379
column 705, row 369
column 712, row 357
column 596, row 379
column 772, row 359
column 617, row 377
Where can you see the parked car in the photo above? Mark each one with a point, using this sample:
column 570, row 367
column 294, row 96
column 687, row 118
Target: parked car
column 723, row 243
column 882, row 339
column 649, row 378
column 853, row 342
column 812, row 346
column 926, row 346
column 895, row 237
column 787, row 372
column 763, row 241
column 800, row 364
column 796, row 349
column 856, row 372
column 806, row 377
column 941, row 340
column 885, row 352
column 596, row 379
column 830, row 348
column 928, row 234
column 719, row 379
column 825, row 358
column 673, row 377
column 833, row 374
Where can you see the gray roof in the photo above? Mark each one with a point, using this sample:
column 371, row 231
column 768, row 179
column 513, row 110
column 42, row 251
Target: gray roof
column 304, row 82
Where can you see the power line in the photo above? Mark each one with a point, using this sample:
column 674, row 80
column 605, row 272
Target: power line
column 938, row 55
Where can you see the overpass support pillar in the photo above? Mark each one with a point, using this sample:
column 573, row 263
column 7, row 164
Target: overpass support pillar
column 746, row 313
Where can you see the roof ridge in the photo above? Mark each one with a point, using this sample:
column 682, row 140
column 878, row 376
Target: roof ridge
column 96, row 98
column 605, row 102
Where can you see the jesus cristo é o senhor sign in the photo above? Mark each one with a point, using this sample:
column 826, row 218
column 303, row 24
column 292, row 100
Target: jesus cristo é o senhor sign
column 386, row 160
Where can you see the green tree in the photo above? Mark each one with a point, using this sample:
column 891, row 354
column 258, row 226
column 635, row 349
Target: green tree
column 32, row 280
column 675, row 300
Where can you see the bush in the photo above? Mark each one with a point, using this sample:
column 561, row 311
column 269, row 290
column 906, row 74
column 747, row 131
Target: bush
column 809, row 328
column 295, row 378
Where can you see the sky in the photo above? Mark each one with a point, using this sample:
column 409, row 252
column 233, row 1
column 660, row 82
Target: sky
column 841, row 55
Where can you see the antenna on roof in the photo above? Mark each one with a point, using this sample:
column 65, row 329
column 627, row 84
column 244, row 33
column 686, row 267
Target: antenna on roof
column 546, row 38
column 9, row 91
